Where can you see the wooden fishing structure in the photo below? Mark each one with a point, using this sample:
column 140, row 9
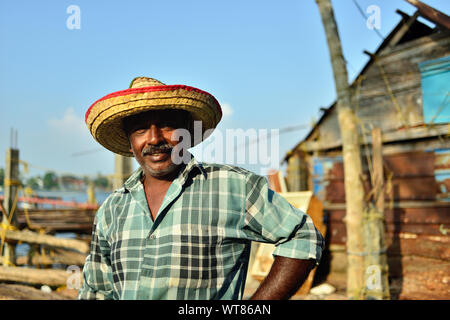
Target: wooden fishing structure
column 25, row 221
column 39, row 222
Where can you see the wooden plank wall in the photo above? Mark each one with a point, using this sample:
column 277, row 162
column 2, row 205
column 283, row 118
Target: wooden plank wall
column 374, row 104
column 417, row 221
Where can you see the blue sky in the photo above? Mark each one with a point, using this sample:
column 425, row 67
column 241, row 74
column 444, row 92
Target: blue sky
column 265, row 61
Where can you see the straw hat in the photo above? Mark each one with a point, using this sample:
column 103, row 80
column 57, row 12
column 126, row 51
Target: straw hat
column 104, row 117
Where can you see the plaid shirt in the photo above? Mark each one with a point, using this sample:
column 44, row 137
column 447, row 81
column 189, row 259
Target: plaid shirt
column 198, row 247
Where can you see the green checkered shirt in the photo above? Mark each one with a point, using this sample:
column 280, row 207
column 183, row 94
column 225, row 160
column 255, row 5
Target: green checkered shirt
column 198, row 247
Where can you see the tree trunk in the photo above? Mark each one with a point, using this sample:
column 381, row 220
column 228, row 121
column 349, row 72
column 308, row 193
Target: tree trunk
column 354, row 192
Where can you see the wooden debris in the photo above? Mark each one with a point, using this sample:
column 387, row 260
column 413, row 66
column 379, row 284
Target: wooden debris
column 33, row 237
column 59, row 256
column 50, row 277
column 76, row 220
column 22, row 292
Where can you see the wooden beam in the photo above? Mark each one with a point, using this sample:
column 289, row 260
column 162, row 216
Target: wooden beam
column 57, row 257
column 431, row 13
column 51, row 241
column 403, row 30
column 50, row 277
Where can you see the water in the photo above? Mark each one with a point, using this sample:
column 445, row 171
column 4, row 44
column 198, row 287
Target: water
column 77, row 196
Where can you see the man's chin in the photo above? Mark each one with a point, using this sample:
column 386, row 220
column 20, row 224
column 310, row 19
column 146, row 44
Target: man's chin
column 159, row 173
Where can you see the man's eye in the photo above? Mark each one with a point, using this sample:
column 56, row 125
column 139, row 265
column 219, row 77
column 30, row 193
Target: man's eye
column 138, row 129
column 167, row 124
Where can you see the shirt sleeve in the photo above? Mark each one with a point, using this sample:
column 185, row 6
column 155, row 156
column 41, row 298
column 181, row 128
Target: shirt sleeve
column 272, row 219
column 97, row 274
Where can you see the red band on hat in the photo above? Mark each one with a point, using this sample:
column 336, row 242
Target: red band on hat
column 149, row 89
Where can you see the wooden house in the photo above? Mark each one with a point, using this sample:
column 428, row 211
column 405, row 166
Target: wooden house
column 404, row 89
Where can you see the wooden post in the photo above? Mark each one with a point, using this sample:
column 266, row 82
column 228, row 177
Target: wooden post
column 123, row 170
column 294, row 174
column 376, row 266
column 378, row 175
column 354, row 191
column 11, row 184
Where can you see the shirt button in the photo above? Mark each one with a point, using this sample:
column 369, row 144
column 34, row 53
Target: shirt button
column 152, row 237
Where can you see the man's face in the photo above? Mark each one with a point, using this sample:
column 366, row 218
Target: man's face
column 150, row 136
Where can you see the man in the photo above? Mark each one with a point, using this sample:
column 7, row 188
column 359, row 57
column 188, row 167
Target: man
column 183, row 229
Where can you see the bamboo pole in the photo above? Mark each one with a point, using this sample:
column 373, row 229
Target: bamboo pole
column 376, row 264
column 354, row 192
column 58, row 256
column 377, row 159
column 50, row 277
column 123, row 169
column 43, row 239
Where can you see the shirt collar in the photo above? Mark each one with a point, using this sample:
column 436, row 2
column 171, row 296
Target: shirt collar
column 134, row 181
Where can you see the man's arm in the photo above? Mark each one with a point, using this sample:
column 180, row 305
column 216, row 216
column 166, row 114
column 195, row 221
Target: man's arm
column 97, row 275
column 298, row 244
column 284, row 279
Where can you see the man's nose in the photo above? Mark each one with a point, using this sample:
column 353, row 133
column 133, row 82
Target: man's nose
column 155, row 135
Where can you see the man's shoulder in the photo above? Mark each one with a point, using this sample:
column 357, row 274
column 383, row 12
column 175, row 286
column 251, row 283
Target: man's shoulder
column 115, row 198
column 226, row 170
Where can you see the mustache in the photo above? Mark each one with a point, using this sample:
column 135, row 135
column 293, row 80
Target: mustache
column 161, row 148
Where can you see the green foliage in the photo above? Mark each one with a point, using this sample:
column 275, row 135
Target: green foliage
column 101, row 182
column 50, row 180
column 33, row 183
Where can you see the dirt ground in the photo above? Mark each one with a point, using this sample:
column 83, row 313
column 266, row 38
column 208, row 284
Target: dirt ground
column 337, row 282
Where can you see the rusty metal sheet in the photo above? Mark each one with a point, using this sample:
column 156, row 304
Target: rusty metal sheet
column 417, row 175
column 424, row 246
column 412, row 188
column 407, row 164
column 433, row 221
column 426, row 215
column 402, row 189
column 337, row 233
